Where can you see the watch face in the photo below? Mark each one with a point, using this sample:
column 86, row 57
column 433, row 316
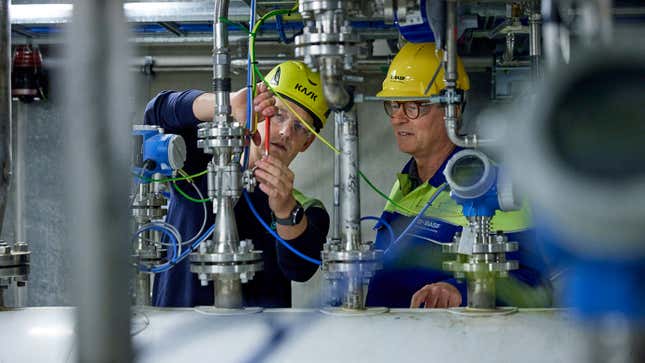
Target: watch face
column 297, row 214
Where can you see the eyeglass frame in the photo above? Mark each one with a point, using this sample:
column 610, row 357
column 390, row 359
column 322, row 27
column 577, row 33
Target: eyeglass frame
column 297, row 125
column 419, row 105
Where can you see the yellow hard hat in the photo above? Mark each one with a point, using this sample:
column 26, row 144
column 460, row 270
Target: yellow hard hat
column 416, row 72
column 297, row 83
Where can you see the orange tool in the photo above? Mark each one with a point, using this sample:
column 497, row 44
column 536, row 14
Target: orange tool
column 267, row 134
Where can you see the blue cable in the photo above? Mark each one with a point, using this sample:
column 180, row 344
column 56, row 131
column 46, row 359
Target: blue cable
column 173, row 261
column 279, row 26
column 414, row 221
column 249, row 87
column 274, row 234
column 171, row 236
column 383, row 222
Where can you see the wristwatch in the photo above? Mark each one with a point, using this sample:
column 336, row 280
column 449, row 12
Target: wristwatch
column 295, row 216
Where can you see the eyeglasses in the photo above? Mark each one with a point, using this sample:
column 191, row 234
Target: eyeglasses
column 284, row 116
column 411, row 109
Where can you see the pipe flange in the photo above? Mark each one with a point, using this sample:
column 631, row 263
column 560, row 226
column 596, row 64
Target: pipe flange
column 480, row 267
column 213, row 144
column 481, row 248
column 14, row 258
column 346, row 38
column 146, row 213
column 210, row 132
column 228, row 269
column 148, row 255
column 151, row 201
column 351, row 256
column 319, row 6
column 364, row 269
column 226, row 258
column 10, row 273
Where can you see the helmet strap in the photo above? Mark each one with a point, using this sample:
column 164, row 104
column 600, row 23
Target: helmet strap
column 434, row 78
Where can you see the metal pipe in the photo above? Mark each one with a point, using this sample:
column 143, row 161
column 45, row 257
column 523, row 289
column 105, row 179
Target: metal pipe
column 331, row 75
column 481, row 292
column 221, row 66
column 19, row 171
column 452, row 118
column 335, row 227
column 551, row 33
column 228, row 292
column 5, row 106
column 350, row 185
column 143, row 295
column 535, row 44
column 451, row 43
column 98, row 103
column 451, row 72
column 226, row 238
column 481, row 284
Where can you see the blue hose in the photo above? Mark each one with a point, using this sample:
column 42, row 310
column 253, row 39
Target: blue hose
column 279, row 26
column 172, row 261
column 414, row 221
column 249, row 87
column 383, row 222
column 274, row 234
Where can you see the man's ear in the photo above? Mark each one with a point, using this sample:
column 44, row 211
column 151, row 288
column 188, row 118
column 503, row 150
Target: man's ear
column 308, row 143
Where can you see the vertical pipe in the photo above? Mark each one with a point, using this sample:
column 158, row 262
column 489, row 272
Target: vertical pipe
column 335, row 227
column 551, row 33
column 451, row 43
column 5, row 106
column 226, row 237
column 98, row 154
column 143, row 289
column 19, row 172
column 481, row 291
column 535, row 44
column 228, row 292
column 221, row 65
column 350, row 187
column 451, row 121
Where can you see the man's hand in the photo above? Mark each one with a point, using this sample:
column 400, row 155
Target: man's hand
column 437, row 295
column 263, row 106
column 276, row 181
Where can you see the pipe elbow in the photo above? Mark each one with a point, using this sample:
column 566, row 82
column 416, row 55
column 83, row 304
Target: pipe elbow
column 336, row 95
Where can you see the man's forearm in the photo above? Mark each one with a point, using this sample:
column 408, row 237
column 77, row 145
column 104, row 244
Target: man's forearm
column 292, row 232
column 204, row 106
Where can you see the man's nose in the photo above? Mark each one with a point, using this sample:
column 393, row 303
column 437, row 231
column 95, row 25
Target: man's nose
column 398, row 117
column 286, row 128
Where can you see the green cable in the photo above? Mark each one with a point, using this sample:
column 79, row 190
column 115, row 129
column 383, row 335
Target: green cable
column 379, row 192
column 239, row 25
column 253, row 34
column 185, row 195
column 174, row 184
column 255, row 29
column 187, row 177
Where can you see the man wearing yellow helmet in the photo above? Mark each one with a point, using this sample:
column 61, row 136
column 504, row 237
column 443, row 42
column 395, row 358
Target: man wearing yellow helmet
column 412, row 274
column 301, row 221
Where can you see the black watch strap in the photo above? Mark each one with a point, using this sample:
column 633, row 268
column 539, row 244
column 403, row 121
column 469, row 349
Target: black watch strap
column 295, row 216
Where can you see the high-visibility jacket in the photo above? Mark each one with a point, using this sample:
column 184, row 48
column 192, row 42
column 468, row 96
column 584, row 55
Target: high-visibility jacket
column 416, row 261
